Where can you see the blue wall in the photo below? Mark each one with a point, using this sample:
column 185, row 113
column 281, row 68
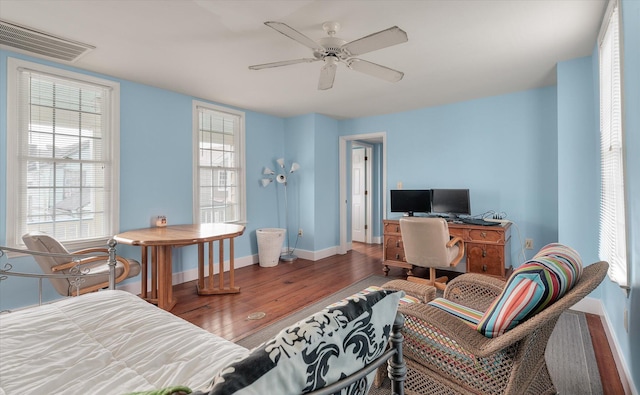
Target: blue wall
column 578, row 158
column 503, row 148
column 300, row 133
column 327, row 188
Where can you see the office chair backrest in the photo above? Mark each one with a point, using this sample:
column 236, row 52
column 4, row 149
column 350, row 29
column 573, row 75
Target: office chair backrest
column 425, row 242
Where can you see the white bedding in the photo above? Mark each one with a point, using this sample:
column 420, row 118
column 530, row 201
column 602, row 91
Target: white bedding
column 108, row 342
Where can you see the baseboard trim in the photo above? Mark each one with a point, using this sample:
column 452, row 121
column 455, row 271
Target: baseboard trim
column 133, row 286
column 589, row 305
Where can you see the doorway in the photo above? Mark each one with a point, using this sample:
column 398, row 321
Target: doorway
column 346, row 142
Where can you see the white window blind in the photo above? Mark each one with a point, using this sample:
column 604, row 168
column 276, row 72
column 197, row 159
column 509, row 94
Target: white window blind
column 62, row 173
column 219, row 169
column 613, row 246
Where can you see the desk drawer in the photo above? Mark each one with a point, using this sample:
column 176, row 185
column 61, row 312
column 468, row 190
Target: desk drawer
column 486, row 236
column 393, row 249
column 391, row 227
column 485, row 259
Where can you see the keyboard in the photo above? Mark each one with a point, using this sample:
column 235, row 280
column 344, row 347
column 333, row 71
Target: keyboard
column 478, row 221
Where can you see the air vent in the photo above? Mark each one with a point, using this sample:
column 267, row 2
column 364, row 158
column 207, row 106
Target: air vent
column 32, row 41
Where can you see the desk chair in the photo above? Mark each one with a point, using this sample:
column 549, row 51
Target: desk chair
column 42, row 242
column 427, row 244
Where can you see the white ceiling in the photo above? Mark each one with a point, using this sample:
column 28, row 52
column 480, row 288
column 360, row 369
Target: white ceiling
column 457, row 49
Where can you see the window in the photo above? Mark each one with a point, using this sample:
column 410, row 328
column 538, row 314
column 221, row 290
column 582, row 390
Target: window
column 62, row 165
column 613, row 245
column 219, row 173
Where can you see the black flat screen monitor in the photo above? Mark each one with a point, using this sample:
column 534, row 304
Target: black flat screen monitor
column 453, row 202
column 410, row 201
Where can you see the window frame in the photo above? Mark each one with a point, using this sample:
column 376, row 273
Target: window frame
column 619, row 268
column 111, row 151
column 240, row 160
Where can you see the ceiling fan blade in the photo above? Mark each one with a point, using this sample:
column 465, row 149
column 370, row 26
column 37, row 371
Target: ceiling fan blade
column 282, row 63
column 375, row 70
column 295, row 35
column 382, row 39
column 327, row 74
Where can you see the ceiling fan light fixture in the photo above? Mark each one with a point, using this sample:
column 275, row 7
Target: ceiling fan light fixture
column 331, row 27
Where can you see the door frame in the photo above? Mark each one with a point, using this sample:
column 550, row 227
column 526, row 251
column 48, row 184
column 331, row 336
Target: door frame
column 377, row 137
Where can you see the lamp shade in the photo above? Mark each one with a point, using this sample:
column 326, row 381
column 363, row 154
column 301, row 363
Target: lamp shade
column 294, row 167
column 281, row 162
column 268, row 171
column 266, row 181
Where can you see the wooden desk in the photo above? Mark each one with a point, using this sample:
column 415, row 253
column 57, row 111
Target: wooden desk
column 162, row 239
column 487, row 248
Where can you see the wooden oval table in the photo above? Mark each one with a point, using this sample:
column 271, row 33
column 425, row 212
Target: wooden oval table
column 161, row 240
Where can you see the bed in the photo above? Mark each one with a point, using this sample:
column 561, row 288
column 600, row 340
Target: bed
column 112, row 342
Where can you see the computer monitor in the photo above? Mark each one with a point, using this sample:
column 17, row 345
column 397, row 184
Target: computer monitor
column 453, row 202
column 410, row 201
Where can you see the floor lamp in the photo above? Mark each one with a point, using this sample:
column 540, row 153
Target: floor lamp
column 281, row 178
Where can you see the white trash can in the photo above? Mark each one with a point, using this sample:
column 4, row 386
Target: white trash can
column 270, row 245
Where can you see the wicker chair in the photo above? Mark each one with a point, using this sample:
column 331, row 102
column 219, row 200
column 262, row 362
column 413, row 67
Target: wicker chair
column 444, row 355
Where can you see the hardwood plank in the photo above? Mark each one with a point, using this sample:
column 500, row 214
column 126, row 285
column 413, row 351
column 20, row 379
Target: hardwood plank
column 277, row 291
column 609, row 376
column 288, row 287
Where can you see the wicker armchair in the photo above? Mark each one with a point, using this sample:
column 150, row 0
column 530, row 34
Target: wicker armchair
column 444, row 355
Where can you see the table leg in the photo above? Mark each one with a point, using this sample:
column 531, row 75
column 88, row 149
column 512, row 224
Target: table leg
column 211, row 289
column 231, row 268
column 200, row 265
column 143, row 263
column 169, row 279
column 165, row 281
column 221, row 263
column 211, row 286
column 154, row 272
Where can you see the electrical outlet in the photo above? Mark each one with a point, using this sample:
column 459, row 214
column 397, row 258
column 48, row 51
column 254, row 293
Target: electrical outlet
column 300, row 233
column 528, row 244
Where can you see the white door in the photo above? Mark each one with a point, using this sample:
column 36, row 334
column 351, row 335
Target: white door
column 358, row 194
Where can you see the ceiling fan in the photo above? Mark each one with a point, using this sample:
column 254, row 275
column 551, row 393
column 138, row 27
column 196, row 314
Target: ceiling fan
column 333, row 50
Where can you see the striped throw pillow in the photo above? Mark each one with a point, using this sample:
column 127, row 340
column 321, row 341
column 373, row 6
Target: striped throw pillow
column 536, row 284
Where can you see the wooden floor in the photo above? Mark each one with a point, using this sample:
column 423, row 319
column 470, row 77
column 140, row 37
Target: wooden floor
column 280, row 290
